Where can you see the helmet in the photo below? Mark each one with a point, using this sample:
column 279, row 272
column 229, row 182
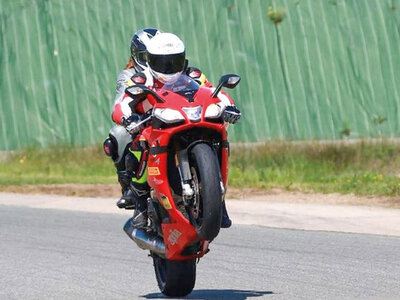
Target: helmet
column 138, row 46
column 166, row 57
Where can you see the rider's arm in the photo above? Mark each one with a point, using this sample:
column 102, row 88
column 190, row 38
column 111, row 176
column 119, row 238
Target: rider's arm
column 123, row 114
column 130, row 113
column 122, row 110
column 124, row 106
column 123, row 81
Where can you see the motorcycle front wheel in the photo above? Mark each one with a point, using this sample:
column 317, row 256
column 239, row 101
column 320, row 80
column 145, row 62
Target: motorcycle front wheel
column 208, row 197
column 175, row 278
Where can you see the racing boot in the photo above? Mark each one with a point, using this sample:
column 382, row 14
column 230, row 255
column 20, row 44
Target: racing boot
column 142, row 193
column 225, row 220
column 139, row 219
column 127, row 200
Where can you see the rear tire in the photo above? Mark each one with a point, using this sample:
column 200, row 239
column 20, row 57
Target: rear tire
column 175, row 278
column 206, row 166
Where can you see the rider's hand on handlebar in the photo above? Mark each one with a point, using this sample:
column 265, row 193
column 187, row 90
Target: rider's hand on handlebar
column 231, row 114
column 135, row 123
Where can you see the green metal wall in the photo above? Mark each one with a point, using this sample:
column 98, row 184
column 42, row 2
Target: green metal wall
column 330, row 69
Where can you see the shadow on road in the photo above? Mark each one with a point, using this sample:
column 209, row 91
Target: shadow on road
column 215, row 294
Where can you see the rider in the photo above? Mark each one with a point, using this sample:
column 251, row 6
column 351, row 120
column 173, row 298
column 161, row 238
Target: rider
column 119, row 141
column 166, row 62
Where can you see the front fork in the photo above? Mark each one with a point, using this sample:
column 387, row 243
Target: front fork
column 183, row 165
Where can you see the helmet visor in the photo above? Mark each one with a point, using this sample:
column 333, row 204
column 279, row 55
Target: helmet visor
column 167, row 64
column 140, row 57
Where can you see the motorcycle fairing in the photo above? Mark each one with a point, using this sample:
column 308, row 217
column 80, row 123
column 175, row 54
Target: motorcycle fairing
column 178, row 232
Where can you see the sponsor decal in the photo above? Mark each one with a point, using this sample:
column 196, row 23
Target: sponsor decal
column 153, row 171
column 174, row 236
column 165, row 202
column 157, row 181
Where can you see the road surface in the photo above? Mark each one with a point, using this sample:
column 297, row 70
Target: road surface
column 61, row 254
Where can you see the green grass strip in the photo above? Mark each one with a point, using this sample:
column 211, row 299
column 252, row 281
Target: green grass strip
column 362, row 168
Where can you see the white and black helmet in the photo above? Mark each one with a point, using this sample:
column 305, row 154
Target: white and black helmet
column 166, row 57
column 139, row 46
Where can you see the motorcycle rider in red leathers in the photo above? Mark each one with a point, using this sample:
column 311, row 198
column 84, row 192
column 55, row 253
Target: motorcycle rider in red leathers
column 158, row 58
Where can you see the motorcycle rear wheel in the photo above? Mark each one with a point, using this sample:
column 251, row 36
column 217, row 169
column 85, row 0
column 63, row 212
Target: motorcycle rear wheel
column 175, row 278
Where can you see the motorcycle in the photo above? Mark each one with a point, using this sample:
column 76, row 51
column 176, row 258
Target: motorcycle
column 187, row 169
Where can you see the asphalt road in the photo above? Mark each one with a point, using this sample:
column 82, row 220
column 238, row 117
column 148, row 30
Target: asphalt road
column 49, row 254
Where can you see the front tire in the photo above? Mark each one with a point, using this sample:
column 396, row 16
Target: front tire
column 175, row 278
column 206, row 172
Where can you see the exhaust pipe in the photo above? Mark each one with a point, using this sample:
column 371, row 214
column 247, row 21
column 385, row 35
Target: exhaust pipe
column 145, row 240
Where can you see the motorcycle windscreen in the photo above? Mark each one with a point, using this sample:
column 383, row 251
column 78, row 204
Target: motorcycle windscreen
column 184, row 86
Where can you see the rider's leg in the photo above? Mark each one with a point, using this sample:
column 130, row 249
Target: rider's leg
column 125, row 176
column 117, row 147
column 139, row 186
column 225, row 220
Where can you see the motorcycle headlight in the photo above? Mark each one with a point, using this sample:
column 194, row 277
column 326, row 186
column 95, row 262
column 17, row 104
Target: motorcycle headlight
column 213, row 111
column 193, row 113
column 168, row 115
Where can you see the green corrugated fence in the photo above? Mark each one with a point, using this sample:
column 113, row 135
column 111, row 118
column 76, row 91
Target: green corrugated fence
column 329, row 69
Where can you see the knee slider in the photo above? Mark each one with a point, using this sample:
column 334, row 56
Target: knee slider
column 110, row 149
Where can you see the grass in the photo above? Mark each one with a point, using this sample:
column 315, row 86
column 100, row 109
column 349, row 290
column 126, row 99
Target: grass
column 56, row 166
column 362, row 168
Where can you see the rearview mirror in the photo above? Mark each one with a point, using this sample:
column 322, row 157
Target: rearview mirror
column 136, row 92
column 139, row 92
column 229, row 81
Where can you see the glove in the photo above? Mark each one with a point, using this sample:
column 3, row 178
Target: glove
column 231, row 114
column 134, row 123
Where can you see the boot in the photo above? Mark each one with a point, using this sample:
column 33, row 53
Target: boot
column 127, row 200
column 139, row 219
column 225, row 221
column 142, row 193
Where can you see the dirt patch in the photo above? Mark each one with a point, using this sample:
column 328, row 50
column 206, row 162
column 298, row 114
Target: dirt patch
column 275, row 195
column 80, row 190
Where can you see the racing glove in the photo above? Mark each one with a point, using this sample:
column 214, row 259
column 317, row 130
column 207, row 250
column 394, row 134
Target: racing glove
column 134, row 123
column 231, row 114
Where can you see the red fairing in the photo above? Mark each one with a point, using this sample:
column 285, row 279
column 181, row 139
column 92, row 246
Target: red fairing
column 227, row 96
column 179, row 233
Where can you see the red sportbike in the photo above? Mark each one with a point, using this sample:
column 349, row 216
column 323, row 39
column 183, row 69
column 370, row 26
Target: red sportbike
column 187, row 172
